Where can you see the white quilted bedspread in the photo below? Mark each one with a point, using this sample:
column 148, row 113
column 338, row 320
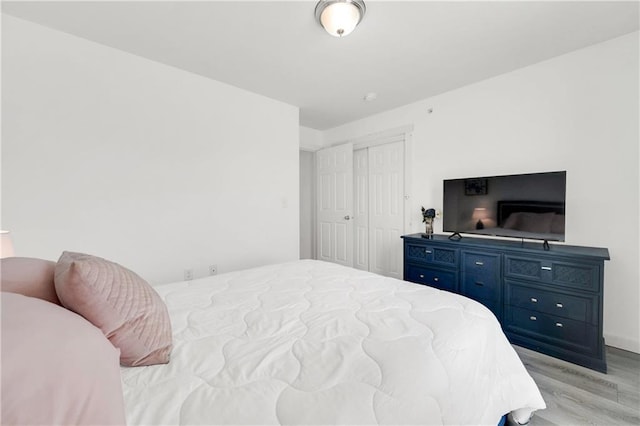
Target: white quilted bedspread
column 310, row 342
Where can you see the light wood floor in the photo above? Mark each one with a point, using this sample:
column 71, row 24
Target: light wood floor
column 580, row 396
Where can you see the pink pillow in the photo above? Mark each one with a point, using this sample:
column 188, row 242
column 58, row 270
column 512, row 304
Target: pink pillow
column 529, row 222
column 536, row 222
column 30, row 277
column 57, row 368
column 512, row 221
column 116, row 300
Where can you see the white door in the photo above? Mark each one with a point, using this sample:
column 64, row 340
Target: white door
column 335, row 204
column 361, row 209
column 386, row 208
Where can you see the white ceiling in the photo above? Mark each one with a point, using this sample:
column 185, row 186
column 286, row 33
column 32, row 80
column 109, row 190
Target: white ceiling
column 403, row 51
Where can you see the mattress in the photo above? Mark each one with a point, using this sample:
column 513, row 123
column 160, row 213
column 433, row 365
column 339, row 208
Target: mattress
column 310, row 342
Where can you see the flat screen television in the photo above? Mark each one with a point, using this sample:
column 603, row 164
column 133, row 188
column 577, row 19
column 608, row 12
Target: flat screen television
column 528, row 206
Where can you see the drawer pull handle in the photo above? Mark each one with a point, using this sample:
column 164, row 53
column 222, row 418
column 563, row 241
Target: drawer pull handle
column 479, row 283
column 559, row 305
column 421, row 275
column 532, row 318
column 546, row 268
column 534, row 300
column 428, row 251
column 479, row 263
column 436, row 279
column 558, row 324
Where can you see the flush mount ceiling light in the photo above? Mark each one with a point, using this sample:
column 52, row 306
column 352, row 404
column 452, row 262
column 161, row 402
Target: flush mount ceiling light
column 340, row 17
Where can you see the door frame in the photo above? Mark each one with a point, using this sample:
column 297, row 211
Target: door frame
column 396, row 134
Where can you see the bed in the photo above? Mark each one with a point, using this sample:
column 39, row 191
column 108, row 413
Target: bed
column 305, row 342
column 311, row 342
column 540, row 220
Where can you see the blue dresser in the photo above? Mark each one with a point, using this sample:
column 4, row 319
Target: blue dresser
column 548, row 301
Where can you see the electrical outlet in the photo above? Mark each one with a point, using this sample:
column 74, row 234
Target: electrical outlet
column 188, row 274
column 213, row 269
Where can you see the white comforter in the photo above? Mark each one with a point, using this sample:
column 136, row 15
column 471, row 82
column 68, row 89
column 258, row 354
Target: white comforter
column 310, row 342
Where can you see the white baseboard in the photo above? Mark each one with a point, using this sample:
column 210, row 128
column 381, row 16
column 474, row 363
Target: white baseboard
column 622, row 343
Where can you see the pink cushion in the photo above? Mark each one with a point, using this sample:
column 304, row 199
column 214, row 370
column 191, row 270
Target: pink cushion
column 529, row 222
column 116, row 300
column 57, row 368
column 30, row 277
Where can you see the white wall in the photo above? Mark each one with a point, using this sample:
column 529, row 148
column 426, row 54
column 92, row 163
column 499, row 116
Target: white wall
column 578, row 112
column 307, row 204
column 310, row 139
column 153, row 167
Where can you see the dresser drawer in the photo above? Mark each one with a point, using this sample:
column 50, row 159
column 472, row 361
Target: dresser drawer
column 481, row 263
column 481, row 275
column 481, row 286
column 575, row 307
column 552, row 329
column 431, row 254
column 444, row 280
column 584, row 276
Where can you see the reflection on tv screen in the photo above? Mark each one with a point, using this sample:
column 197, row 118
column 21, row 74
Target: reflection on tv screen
column 520, row 206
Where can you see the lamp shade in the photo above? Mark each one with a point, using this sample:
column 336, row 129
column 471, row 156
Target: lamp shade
column 339, row 17
column 6, row 245
column 479, row 213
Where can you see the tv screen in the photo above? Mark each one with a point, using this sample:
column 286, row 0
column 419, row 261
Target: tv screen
column 521, row 206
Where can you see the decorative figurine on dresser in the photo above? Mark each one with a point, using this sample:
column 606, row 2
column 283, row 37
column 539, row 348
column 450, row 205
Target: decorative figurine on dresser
column 547, row 300
column 428, row 216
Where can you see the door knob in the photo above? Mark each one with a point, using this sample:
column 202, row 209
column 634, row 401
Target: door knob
column 347, row 217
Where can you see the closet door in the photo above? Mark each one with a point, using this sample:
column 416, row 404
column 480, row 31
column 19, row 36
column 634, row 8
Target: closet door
column 386, row 208
column 361, row 208
column 334, row 179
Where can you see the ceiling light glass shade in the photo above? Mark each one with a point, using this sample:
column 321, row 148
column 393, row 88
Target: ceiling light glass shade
column 340, row 17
